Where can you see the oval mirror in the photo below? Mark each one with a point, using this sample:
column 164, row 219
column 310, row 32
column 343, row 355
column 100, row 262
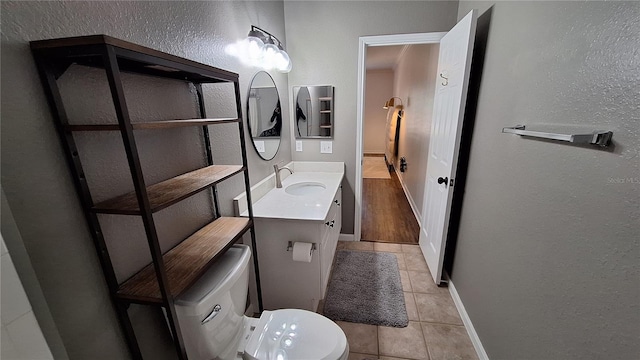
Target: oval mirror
column 264, row 115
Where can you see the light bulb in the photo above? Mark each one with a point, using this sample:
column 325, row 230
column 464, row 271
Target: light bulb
column 283, row 62
column 269, row 59
column 254, row 47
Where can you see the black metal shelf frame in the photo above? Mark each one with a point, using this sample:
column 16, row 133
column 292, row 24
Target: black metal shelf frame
column 53, row 57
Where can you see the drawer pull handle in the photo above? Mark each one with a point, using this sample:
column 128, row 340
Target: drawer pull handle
column 337, row 202
column 330, row 223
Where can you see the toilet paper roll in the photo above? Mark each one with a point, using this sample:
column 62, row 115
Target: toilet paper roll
column 302, row 251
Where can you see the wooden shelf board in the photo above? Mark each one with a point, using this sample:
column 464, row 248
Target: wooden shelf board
column 325, row 126
column 157, row 63
column 186, row 262
column 170, row 191
column 325, row 98
column 325, row 111
column 166, row 124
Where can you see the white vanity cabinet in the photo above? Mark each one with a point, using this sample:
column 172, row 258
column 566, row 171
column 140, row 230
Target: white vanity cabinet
column 293, row 284
column 283, row 217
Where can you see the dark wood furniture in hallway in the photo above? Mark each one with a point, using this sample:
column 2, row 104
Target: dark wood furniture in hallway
column 386, row 213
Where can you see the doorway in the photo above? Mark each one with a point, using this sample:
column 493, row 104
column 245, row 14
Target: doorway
column 367, row 42
column 453, row 69
column 398, row 98
column 395, row 70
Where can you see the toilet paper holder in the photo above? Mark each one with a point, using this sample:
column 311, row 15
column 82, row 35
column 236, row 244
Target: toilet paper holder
column 290, row 246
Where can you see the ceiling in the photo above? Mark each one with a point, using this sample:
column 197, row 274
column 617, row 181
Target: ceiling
column 383, row 57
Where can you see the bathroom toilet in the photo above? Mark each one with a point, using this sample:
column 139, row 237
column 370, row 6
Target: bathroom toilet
column 213, row 324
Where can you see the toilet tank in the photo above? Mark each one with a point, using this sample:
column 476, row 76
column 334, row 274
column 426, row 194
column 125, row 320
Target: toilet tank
column 222, row 290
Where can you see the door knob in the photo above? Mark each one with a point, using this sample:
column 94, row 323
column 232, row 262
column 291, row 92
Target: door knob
column 443, row 180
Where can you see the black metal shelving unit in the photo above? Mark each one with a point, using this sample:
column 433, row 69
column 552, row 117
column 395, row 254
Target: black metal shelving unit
column 173, row 272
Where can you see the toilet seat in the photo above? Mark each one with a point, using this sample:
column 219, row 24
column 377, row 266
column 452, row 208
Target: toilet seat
column 296, row 334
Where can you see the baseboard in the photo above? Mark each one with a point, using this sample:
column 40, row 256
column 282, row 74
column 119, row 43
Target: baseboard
column 347, row 237
column 475, row 340
column 414, row 208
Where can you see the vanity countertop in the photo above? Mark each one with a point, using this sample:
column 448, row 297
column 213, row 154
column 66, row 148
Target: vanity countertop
column 276, row 203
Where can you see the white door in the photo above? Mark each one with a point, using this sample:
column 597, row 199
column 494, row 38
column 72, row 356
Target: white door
column 454, row 63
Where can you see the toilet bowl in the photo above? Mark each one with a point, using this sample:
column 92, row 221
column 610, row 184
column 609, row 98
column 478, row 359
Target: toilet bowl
column 213, row 324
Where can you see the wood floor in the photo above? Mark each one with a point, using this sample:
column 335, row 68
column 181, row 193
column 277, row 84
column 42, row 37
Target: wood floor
column 386, row 213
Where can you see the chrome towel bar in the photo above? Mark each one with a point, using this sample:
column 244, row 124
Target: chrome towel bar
column 599, row 137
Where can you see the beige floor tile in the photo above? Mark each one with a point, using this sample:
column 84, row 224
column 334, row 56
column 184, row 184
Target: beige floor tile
column 394, row 248
column 363, row 338
column 438, row 308
column 320, row 308
column 411, row 249
column 415, row 262
column 341, row 245
column 406, row 343
column 412, row 310
column 356, row 356
column 358, row 245
column 406, row 283
column 402, row 265
column 390, row 358
column 445, row 342
column 422, row 282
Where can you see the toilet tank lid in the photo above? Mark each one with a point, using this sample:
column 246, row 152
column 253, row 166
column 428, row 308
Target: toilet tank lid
column 227, row 268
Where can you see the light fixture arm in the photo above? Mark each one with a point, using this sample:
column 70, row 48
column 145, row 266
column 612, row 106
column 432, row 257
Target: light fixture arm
column 391, row 103
column 264, row 33
column 395, row 97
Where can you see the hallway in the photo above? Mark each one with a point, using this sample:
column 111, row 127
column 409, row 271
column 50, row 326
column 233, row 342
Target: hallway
column 386, row 213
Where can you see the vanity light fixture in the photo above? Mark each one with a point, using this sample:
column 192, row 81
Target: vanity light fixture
column 261, row 49
column 391, row 103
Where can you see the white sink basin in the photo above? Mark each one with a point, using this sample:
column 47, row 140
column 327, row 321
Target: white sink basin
column 304, row 188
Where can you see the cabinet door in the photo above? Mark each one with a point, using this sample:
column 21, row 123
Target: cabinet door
column 337, row 203
column 327, row 250
column 330, row 238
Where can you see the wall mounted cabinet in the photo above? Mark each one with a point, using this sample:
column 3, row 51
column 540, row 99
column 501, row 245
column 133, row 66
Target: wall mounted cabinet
column 172, row 272
column 314, row 108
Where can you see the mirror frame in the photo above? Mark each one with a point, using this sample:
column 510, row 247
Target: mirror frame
column 249, row 118
column 295, row 91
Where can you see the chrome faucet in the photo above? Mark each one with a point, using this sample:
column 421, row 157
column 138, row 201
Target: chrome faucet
column 277, row 170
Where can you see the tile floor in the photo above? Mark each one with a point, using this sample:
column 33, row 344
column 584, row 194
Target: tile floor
column 435, row 329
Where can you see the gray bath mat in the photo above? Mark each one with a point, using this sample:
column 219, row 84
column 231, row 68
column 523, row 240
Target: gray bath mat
column 365, row 287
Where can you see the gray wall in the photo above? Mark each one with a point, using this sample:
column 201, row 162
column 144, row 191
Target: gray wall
column 547, row 262
column 379, row 88
column 415, row 83
column 35, row 176
column 322, row 39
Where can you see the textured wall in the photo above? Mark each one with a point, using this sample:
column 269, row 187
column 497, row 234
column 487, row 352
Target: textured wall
column 415, row 83
column 32, row 288
column 548, row 256
column 35, row 176
column 379, row 88
column 322, row 39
